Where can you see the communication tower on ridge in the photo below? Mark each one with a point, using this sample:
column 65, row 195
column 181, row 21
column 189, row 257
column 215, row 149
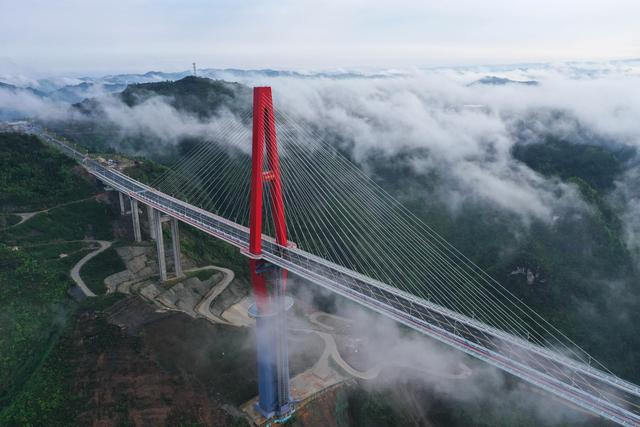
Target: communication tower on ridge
column 194, row 69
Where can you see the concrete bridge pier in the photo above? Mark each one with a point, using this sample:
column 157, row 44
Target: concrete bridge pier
column 152, row 228
column 175, row 241
column 274, row 399
column 123, row 211
column 156, row 226
column 135, row 216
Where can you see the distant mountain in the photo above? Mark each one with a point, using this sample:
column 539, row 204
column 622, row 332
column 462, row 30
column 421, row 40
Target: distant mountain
column 234, row 73
column 75, row 90
column 148, row 77
column 501, row 81
column 193, row 96
column 76, row 93
column 18, row 90
column 200, row 96
column 16, row 101
column 229, row 74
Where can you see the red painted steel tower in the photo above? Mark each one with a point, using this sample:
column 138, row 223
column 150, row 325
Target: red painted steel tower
column 268, row 281
column 264, row 137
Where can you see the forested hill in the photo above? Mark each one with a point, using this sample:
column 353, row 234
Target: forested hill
column 200, row 96
column 142, row 119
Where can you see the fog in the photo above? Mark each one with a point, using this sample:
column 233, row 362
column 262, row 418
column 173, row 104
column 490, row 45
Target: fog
column 416, row 375
column 447, row 125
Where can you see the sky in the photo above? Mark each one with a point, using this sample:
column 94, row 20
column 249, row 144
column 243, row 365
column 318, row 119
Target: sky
column 97, row 36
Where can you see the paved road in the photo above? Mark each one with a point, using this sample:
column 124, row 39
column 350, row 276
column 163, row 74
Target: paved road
column 75, row 271
column 322, row 370
column 203, row 307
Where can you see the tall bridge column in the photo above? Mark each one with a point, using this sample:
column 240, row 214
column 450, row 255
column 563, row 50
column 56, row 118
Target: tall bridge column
column 152, row 228
column 122, row 208
column 175, row 241
column 135, row 216
column 156, row 225
column 270, row 312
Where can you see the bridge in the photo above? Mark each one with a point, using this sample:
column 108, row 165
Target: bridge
column 344, row 233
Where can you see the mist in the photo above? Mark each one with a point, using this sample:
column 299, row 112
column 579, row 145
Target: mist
column 438, row 122
column 417, row 375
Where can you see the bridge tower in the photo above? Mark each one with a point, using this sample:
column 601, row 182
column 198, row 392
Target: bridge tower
column 268, row 281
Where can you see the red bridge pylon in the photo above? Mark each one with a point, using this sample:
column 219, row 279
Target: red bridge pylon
column 268, row 281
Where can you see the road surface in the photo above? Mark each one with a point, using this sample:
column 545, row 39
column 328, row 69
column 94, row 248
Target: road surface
column 75, row 271
column 203, row 307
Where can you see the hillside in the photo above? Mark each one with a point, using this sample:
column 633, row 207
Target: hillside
column 34, row 177
column 196, row 95
column 36, row 255
column 96, row 122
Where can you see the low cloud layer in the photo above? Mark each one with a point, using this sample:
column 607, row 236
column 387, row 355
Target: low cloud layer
column 468, row 131
column 415, row 373
column 446, row 125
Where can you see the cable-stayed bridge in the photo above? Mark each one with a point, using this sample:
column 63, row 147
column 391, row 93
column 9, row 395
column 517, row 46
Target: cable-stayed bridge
column 291, row 202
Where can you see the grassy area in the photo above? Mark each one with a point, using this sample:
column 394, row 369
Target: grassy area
column 75, row 221
column 34, row 176
column 99, row 268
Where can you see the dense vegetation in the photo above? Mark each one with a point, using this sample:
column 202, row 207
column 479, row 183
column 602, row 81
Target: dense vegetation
column 99, row 268
column 48, row 398
column 73, row 221
column 195, row 95
column 411, row 403
column 594, row 164
column 8, row 220
column 34, row 306
column 35, row 259
column 34, row 176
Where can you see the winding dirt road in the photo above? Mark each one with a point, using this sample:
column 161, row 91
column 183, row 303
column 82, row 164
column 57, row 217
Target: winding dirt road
column 75, row 271
column 203, row 306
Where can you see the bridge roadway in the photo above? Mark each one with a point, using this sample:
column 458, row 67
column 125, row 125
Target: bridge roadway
column 588, row 388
